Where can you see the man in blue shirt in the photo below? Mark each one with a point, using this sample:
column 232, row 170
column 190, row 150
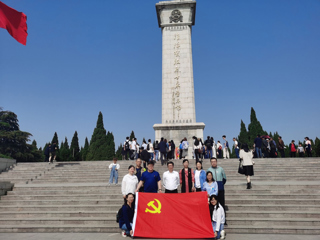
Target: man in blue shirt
column 151, row 180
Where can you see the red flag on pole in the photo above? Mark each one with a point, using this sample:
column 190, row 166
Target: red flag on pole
column 15, row 22
column 173, row 215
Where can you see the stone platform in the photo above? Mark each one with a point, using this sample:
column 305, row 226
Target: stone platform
column 74, row 197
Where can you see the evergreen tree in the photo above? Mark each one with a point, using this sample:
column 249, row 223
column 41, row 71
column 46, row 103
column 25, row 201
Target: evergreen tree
column 118, row 152
column 317, row 147
column 132, row 135
column 243, row 136
column 85, row 150
column 74, row 148
column 13, row 142
column 110, row 146
column 55, row 139
column 65, row 154
column 254, row 128
column 98, row 143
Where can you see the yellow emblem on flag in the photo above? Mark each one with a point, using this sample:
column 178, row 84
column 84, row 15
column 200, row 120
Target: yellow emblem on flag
column 155, row 209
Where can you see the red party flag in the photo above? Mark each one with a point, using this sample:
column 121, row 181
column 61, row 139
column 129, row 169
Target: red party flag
column 15, row 22
column 172, row 215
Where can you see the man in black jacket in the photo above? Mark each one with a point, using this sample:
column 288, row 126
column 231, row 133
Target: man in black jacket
column 163, row 150
column 144, row 156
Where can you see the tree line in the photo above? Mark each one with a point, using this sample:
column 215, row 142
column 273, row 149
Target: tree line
column 255, row 128
column 14, row 143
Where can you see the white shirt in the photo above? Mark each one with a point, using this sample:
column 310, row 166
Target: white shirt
column 144, row 145
column 236, row 143
column 150, row 148
column 197, row 179
column 219, row 145
column 112, row 164
column 247, row 157
column 218, row 217
column 129, row 184
column 171, row 180
column 198, row 147
column 133, row 145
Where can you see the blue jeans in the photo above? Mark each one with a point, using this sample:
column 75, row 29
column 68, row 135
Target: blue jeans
column 151, row 156
column 124, row 227
column 214, row 228
column 237, row 152
column 259, row 152
column 209, row 153
column 157, row 155
column 113, row 174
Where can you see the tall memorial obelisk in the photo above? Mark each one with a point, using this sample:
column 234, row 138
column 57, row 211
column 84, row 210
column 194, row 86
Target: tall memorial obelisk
column 176, row 19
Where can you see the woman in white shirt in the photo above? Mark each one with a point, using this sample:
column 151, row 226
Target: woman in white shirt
column 217, row 217
column 129, row 182
column 199, row 177
column 247, row 157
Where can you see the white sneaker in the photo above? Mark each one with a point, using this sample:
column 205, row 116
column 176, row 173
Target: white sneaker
column 123, row 233
column 222, row 234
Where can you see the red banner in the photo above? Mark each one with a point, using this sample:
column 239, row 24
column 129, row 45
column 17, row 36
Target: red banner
column 15, row 22
column 172, row 215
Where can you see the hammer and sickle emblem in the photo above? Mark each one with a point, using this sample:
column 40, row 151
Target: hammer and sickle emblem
column 155, row 209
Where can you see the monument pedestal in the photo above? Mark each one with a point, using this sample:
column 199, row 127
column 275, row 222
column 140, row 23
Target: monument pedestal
column 178, row 132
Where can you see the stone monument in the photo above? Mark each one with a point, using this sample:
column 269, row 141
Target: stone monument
column 176, row 19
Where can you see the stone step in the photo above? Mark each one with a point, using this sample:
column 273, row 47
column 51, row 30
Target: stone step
column 83, row 221
column 272, row 214
column 271, row 207
column 244, row 229
column 118, row 196
column 71, row 228
column 117, row 190
column 250, row 221
column 57, row 207
column 58, row 214
column 66, row 197
column 57, row 202
column 113, row 201
column 271, row 201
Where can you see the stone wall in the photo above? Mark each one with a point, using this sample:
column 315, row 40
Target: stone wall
column 5, row 163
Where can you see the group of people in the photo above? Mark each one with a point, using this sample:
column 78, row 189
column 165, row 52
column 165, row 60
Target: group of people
column 187, row 180
column 265, row 146
column 50, row 152
column 159, row 151
column 210, row 148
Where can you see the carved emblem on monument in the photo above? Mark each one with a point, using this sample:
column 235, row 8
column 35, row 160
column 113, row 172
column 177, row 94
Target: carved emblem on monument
column 176, row 16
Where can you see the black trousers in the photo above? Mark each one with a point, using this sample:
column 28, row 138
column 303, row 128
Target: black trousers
column 292, row 154
column 301, row 154
column 308, row 151
column 282, row 153
column 198, row 189
column 197, row 155
column 171, row 191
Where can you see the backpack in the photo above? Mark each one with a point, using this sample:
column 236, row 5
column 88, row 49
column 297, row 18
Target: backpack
column 181, row 146
column 196, row 142
column 126, row 146
column 156, row 145
column 119, row 215
column 148, row 147
column 208, row 144
column 239, row 145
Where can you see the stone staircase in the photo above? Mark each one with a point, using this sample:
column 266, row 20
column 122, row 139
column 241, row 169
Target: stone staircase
column 75, row 197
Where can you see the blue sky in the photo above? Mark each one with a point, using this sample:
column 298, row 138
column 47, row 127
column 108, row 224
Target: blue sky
column 83, row 57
